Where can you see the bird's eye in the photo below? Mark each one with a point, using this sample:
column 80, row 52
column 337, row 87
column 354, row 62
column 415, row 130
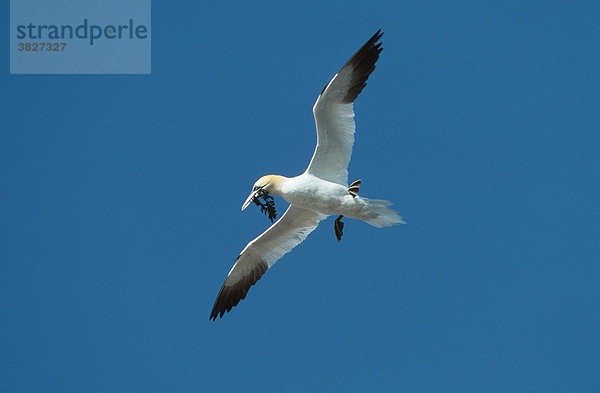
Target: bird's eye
column 255, row 188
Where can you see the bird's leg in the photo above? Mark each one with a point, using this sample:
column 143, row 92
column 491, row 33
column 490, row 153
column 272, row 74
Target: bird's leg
column 338, row 225
column 353, row 189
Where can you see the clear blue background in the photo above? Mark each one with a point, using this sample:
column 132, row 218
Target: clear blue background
column 121, row 195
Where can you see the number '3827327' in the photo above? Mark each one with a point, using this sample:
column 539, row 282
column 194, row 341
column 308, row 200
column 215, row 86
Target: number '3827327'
column 41, row 46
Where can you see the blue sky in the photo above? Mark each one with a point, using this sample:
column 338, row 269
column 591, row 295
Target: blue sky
column 121, row 206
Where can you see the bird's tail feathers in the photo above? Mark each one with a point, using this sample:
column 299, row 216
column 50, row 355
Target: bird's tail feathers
column 379, row 215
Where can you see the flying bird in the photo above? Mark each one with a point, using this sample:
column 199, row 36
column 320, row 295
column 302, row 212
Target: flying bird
column 322, row 190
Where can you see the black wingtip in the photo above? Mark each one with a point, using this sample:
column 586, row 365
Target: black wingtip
column 363, row 64
column 230, row 295
column 370, row 48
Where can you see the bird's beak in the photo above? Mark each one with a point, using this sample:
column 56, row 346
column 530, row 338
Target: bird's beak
column 250, row 199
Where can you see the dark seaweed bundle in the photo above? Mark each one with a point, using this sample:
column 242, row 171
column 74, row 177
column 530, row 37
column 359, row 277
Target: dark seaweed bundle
column 268, row 206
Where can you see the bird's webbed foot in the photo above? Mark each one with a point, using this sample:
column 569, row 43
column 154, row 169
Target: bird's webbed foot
column 338, row 227
column 353, row 189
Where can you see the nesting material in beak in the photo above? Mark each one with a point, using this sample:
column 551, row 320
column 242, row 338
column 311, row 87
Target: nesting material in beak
column 267, row 207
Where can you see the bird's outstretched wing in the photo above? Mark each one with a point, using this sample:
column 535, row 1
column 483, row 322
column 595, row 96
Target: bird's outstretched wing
column 261, row 253
column 334, row 114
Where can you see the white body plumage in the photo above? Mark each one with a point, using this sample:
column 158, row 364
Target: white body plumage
column 329, row 198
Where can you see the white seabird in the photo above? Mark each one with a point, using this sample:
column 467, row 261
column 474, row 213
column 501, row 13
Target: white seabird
column 322, row 190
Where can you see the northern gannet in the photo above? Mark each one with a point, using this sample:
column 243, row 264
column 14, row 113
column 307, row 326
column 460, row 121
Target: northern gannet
column 320, row 191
